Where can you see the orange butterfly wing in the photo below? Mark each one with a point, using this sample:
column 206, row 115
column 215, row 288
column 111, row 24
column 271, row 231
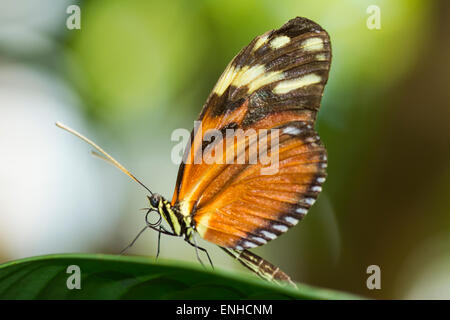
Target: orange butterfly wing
column 276, row 82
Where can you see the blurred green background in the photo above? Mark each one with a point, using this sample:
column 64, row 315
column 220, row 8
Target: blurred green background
column 137, row 70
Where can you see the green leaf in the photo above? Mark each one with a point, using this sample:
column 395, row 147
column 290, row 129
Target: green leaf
column 127, row 277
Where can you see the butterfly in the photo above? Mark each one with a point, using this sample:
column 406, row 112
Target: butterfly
column 274, row 83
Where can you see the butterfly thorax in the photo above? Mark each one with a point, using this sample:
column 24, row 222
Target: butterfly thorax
column 180, row 225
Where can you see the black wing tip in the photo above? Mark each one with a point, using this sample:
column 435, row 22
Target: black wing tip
column 303, row 22
column 298, row 26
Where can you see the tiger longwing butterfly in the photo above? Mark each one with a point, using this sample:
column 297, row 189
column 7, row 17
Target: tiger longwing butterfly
column 276, row 82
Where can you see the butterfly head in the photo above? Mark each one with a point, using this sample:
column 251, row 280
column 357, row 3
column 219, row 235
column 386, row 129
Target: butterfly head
column 168, row 212
column 155, row 199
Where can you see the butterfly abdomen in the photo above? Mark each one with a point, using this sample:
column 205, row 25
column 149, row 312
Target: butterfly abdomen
column 259, row 266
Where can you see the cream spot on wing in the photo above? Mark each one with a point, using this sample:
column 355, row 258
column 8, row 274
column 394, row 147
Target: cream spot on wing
column 309, row 201
column 289, row 85
column 280, row 227
column 260, row 240
column 321, row 57
column 249, row 244
column 246, row 75
column 291, row 220
column 202, row 224
column 268, row 234
column 266, row 79
column 279, row 42
column 291, row 130
column 225, row 80
column 255, row 77
column 184, row 208
column 261, row 41
column 312, row 44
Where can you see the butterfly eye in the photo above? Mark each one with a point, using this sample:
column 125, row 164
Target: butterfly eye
column 154, row 200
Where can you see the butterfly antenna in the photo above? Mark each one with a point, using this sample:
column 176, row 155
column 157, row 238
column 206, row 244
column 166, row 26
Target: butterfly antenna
column 102, row 154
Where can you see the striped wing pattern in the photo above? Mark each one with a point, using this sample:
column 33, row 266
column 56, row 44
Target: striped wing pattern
column 276, row 82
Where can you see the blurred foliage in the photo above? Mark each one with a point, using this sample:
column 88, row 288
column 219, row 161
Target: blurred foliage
column 129, row 59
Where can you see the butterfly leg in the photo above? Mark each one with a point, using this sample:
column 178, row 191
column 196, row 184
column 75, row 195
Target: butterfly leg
column 134, row 240
column 201, row 249
column 159, row 244
column 166, row 232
